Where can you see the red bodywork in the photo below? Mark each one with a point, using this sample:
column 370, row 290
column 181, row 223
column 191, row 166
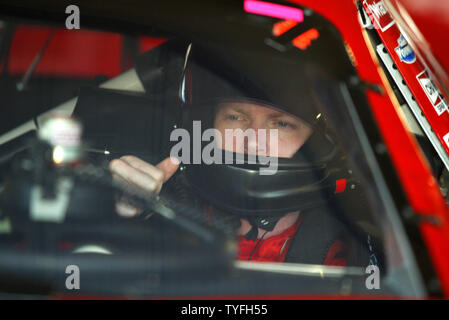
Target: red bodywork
column 420, row 186
column 101, row 52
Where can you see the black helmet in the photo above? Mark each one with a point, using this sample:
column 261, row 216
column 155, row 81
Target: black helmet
column 298, row 84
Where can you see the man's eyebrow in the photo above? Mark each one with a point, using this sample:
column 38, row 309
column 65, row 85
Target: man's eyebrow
column 237, row 109
column 277, row 115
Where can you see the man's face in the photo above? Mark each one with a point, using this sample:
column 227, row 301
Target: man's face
column 292, row 132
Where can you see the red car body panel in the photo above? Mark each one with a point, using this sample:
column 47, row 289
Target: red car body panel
column 101, row 52
column 419, row 184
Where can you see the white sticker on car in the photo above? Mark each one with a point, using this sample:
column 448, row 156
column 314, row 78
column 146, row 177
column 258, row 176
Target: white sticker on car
column 446, row 139
column 432, row 93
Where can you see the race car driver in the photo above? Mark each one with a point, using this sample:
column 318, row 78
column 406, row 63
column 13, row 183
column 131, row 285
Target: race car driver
column 281, row 216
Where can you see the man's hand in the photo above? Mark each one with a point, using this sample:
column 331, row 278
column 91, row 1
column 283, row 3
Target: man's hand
column 142, row 174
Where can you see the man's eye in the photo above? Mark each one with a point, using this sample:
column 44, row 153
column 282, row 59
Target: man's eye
column 234, row 117
column 283, row 124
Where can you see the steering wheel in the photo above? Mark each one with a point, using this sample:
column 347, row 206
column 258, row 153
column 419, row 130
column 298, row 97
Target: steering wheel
column 112, row 253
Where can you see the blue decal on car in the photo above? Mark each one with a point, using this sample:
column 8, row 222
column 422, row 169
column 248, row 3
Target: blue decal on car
column 404, row 51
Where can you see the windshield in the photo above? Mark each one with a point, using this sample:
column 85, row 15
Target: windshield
column 191, row 165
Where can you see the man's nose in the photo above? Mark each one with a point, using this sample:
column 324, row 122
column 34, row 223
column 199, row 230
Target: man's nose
column 259, row 141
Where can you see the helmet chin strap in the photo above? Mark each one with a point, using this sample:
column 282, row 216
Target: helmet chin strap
column 264, row 223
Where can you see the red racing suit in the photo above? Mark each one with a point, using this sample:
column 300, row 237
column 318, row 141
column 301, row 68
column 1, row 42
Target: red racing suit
column 275, row 248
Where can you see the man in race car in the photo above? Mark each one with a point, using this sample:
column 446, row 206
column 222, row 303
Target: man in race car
column 283, row 217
